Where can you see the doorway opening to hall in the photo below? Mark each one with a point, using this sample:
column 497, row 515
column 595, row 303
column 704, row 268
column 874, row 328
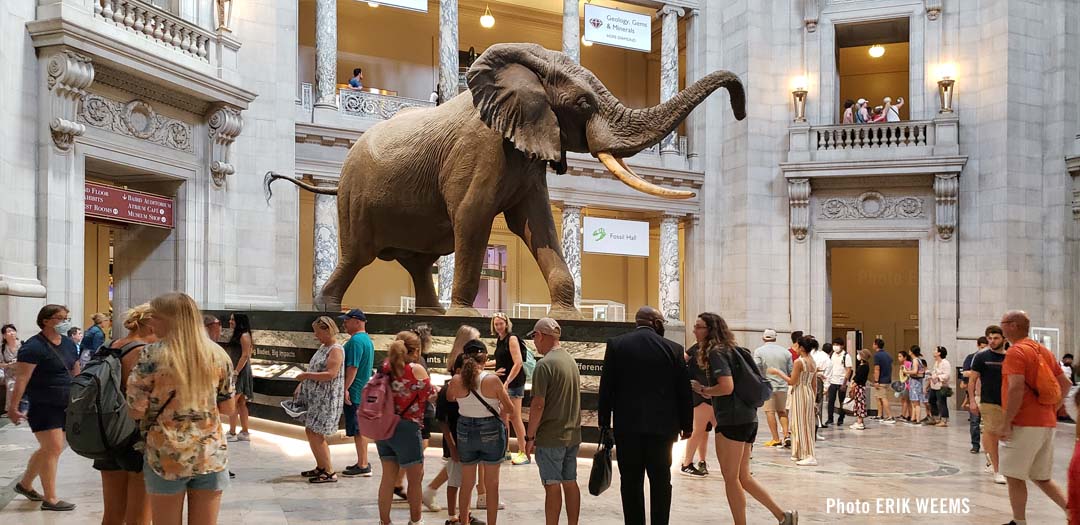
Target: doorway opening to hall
column 873, row 63
column 874, row 289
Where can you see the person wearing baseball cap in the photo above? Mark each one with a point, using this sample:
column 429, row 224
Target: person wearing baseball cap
column 359, row 361
column 554, row 433
column 773, row 355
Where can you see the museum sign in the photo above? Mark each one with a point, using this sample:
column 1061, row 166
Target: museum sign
column 411, row 5
column 616, row 237
column 612, row 27
column 113, row 204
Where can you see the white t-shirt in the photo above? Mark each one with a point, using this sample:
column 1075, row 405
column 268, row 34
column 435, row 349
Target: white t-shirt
column 841, row 361
column 821, row 362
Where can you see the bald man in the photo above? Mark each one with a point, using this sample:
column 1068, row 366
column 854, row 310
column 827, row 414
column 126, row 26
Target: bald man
column 1028, row 424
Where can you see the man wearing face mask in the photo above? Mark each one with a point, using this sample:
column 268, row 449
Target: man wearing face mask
column 646, row 388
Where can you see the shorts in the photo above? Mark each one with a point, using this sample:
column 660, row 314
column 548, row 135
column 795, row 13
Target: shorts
column 745, row 433
column 1030, row 454
column 128, row 460
column 516, row 392
column 453, row 473
column 352, row 425
column 992, row 416
column 405, row 447
column 155, row 484
column 557, row 464
column 45, row 417
column 776, row 403
column 481, row 440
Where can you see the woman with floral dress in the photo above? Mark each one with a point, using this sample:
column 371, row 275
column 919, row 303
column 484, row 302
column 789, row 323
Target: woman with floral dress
column 319, row 398
column 858, row 388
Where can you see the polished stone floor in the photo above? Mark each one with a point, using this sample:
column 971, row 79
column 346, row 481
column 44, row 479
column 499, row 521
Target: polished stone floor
column 901, row 464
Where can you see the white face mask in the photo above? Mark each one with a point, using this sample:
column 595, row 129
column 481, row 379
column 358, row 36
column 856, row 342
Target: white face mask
column 63, row 327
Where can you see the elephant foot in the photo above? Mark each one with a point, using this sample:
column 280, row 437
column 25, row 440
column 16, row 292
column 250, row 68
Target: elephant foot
column 564, row 313
column 463, row 311
column 430, row 310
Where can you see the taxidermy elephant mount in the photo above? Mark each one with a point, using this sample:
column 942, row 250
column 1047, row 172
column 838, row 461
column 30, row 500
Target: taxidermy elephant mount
column 430, row 181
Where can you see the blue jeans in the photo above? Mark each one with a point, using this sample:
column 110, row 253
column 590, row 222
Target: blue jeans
column 973, row 428
column 481, row 439
column 405, row 447
column 155, row 484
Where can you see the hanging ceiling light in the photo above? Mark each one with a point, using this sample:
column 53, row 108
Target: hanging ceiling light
column 584, row 42
column 877, row 51
column 487, row 21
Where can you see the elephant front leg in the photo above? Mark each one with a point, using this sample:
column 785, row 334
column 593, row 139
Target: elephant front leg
column 532, row 221
column 419, row 268
column 471, row 233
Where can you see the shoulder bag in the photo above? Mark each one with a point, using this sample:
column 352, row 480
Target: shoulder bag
column 600, row 475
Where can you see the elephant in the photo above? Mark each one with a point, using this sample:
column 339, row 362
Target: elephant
column 430, row 181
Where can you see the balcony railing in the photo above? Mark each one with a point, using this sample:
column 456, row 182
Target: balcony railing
column 371, row 106
column 874, row 142
column 157, row 25
column 859, row 136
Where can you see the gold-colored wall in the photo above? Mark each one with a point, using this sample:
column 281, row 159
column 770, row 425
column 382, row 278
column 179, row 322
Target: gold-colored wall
column 876, row 290
column 95, row 273
column 862, row 76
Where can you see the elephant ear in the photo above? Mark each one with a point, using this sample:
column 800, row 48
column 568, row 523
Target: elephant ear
column 508, row 90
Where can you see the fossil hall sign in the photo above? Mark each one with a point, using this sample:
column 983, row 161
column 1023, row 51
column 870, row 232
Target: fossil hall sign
column 110, row 203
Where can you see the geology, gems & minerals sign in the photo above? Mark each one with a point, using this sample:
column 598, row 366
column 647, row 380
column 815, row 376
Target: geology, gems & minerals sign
column 613, row 27
column 119, row 205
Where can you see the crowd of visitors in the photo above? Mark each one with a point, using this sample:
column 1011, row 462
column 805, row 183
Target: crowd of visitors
column 858, row 112
column 180, row 382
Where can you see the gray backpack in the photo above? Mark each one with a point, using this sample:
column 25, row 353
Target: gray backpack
column 98, row 425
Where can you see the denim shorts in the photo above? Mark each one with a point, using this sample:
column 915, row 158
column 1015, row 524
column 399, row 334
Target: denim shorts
column 516, row 391
column 404, row 447
column 352, row 426
column 557, row 464
column 481, row 439
column 155, row 484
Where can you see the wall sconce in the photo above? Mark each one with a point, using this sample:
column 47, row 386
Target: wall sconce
column 224, row 15
column 798, row 96
column 946, row 87
column 487, row 21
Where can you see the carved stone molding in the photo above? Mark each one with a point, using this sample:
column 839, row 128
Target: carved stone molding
column 69, row 74
column 811, row 12
column 1072, row 163
column 149, row 91
column 224, row 124
column 872, row 205
column 799, row 200
column 137, row 119
column 946, row 195
column 933, row 9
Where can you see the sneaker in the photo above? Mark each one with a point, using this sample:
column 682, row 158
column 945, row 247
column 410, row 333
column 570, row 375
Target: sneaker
column 357, row 470
column 243, row 436
column 787, row 442
column 999, row 479
column 889, row 421
column 429, row 501
column 791, row 517
column 28, row 493
column 773, row 443
column 942, row 423
column 520, row 459
column 807, row 462
column 692, row 471
column 421, row 522
column 481, row 502
column 858, row 426
column 819, row 437
column 60, row 505
column 704, row 469
column 292, row 408
column 232, row 438
column 400, row 492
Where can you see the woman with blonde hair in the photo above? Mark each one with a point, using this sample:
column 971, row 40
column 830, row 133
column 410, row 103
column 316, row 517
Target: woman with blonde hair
column 123, row 489
column 411, row 387
column 509, row 366
column 319, row 397
column 178, row 391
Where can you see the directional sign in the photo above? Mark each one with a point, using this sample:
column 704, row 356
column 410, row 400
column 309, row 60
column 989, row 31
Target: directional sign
column 133, row 207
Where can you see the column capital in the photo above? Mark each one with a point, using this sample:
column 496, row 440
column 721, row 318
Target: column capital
column 69, row 74
column 799, row 202
column 224, row 124
column 946, row 197
column 566, row 204
column 672, row 10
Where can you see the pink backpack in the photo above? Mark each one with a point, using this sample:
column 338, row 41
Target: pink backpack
column 376, row 415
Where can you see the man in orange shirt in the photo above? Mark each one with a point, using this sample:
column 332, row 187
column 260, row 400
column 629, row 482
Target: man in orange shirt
column 1028, row 424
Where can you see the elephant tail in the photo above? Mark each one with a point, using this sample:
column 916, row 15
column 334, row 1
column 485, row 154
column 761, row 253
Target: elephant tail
column 271, row 177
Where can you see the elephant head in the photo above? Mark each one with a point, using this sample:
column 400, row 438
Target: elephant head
column 546, row 105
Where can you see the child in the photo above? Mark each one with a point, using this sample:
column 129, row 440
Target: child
column 446, row 414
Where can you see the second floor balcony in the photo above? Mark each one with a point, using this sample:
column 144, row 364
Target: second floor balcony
column 880, row 145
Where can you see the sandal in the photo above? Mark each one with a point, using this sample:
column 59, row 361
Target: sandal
column 311, row 473
column 324, row 477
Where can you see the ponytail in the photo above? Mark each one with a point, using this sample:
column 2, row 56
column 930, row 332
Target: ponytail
column 470, row 370
column 396, row 358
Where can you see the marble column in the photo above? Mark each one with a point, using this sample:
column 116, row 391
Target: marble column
column 326, row 241
column 571, row 42
column 571, row 246
column 326, row 54
column 669, row 65
column 448, row 53
column 670, row 287
column 446, row 278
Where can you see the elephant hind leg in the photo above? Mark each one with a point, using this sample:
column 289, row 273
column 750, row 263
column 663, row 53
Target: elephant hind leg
column 532, row 221
column 419, row 268
column 348, row 266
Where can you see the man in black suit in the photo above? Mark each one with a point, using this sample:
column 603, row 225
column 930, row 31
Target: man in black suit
column 646, row 386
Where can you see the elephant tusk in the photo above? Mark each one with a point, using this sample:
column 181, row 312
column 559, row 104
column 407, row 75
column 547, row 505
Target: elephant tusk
column 623, row 172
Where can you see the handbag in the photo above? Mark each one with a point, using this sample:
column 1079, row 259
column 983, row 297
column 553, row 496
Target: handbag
column 600, row 475
column 849, row 405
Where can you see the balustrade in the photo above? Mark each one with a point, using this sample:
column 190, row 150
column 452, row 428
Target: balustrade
column 863, row 136
column 152, row 22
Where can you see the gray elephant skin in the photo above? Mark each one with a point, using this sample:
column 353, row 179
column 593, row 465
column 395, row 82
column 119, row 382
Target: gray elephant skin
column 430, row 181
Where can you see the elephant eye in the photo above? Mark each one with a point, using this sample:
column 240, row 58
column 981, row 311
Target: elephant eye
column 582, row 102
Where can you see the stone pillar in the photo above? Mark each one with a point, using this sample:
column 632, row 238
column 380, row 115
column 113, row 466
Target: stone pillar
column 670, row 289
column 326, row 241
column 571, row 42
column 571, row 246
column 446, row 278
column 326, row 54
column 669, row 65
column 448, row 53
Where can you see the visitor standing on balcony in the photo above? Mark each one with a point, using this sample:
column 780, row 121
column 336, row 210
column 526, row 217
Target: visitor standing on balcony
column 357, row 80
column 892, row 112
column 862, row 116
column 878, row 115
column 849, row 112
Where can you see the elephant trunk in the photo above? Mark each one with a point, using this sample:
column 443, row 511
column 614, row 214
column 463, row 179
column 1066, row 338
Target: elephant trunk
column 633, row 130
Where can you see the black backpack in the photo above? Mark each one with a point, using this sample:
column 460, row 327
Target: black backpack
column 97, row 421
column 751, row 387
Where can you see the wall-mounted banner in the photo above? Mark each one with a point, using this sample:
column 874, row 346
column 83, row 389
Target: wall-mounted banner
column 616, row 237
column 612, row 27
column 133, row 207
column 411, row 5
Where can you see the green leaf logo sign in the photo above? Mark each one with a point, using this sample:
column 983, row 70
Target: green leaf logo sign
column 599, row 234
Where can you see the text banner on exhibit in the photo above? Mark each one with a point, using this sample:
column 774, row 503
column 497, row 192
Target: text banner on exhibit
column 612, row 27
column 132, row 207
column 616, row 237
column 411, row 5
